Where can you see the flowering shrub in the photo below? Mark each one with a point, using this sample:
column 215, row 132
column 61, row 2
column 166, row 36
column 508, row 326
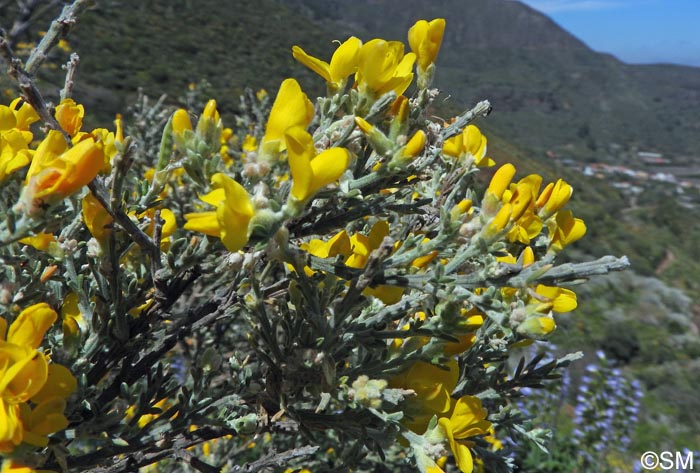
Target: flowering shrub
column 324, row 285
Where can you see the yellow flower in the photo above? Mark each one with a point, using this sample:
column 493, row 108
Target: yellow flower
column 292, row 108
column 47, row 417
column 501, row 180
column 527, row 257
column 512, row 206
column 15, row 136
column 469, row 143
column 423, row 261
column 14, row 153
column 26, row 375
column 181, row 121
column 400, row 108
column 496, row 443
column 118, row 128
column 564, row 230
column 537, row 326
column 522, row 195
column 383, row 68
column 362, row 245
column 138, row 310
column 209, row 125
column 29, row 327
column 463, row 207
column 380, row 142
column 182, row 129
column 355, row 250
column 415, row 145
column 361, row 248
column 557, row 299
column 339, row 244
column 526, row 228
column 224, row 150
column 425, row 40
column 164, row 404
column 107, row 139
column 311, row 172
column 261, row 95
column 250, row 143
column 433, row 387
column 96, row 218
column 41, row 241
column 210, row 113
column 71, row 316
column 498, row 223
column 364, row 126
column 231, row 219
column 343, row 63
column 7, row 118
column 63, row 45
column 468, row 419
column 209, row 129
column 471, row 322
column 70, row 116
column 25, row 115
column 553, row 198
column 464, row 332
column 57, row 172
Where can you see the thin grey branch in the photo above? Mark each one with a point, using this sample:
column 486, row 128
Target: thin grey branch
column 481, row 109
column 58, row 29
column 71, row 66
column 276, row 459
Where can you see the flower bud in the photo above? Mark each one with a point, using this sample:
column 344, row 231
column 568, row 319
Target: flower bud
column 537, row 327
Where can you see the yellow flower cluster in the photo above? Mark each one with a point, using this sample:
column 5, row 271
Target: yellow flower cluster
column 379, row 66
column 356, row 249
column 285, row 136
column 57, row 167
column 209, row 128
column 520, row 210
column 470, row 144
column 458, row 420
column 33, row 391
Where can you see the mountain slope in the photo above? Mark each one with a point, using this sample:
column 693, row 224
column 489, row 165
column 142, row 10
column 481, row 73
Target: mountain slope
column 163, row 45
column 558, row 94
column 551, row 91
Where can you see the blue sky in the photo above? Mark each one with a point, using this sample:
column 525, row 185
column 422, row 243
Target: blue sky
column 635, row 31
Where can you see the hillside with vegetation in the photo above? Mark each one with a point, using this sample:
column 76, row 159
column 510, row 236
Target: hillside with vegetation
column 553, row 91
column 557, row 106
